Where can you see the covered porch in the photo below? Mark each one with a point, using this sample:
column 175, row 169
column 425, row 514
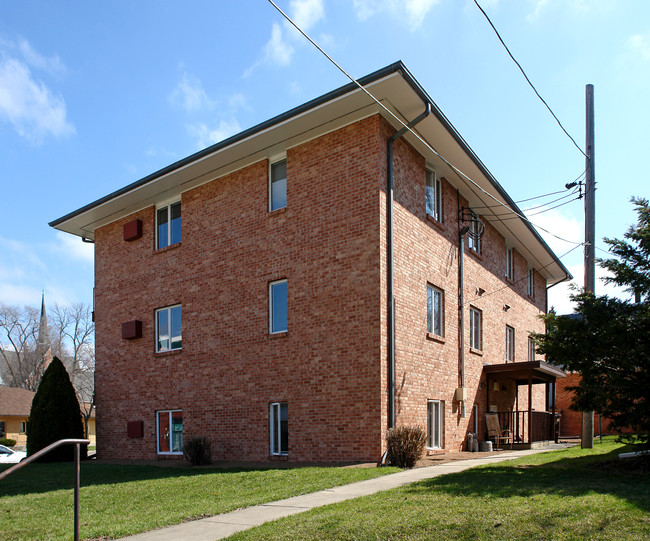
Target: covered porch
column 527, row 426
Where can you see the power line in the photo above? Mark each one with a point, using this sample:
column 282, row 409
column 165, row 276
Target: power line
column 399, row 120
column 523, row 277
column 528, row 80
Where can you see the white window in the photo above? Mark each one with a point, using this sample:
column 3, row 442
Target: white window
column 168, row 328
column 510, row 263
column 278, row 306
column 434, row 310
column 434, row 196
column 531, row 282
column 169, row 427
column 168, row 225
column 474, row 237
column 531, row 349
column 279, row 425
column 278, row 185
column 510, row 344
column 22, row 427
column 475, row 328
column 434, row 424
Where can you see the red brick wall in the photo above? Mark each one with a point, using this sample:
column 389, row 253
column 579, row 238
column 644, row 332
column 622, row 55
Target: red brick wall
column 570, row 420
column 326, row 368
column 427, row 252
column 331, row 367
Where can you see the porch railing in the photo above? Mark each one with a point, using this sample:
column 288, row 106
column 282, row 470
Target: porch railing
column 544, row 426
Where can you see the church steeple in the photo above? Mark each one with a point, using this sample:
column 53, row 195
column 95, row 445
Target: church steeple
column 43, row 346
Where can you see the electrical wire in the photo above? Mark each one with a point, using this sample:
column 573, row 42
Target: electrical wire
column 487, row 294
column 400, row 121
column 528, row 80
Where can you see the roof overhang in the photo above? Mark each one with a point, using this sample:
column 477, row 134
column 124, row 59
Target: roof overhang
column 533, row 371
column 397, row 90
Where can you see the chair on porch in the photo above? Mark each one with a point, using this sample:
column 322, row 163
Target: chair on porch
column 495, row 433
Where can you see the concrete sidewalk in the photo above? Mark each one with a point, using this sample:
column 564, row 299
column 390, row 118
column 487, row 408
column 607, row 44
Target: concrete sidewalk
column 221, row 526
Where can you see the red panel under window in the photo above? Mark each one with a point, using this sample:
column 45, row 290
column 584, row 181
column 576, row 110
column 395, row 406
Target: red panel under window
column 132, row 329
column 133, row 230
column 135, row 429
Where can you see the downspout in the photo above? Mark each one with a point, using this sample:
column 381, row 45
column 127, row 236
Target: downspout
column 461, row 317
column 389, row 266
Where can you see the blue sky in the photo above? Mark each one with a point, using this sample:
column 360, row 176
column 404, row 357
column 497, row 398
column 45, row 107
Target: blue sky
column 94, row 96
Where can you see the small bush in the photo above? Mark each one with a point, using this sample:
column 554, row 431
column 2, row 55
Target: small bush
column 405, row 445
column 7, row 442
column 198, row 450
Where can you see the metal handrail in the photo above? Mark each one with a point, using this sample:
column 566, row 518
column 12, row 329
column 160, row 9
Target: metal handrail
column 46, row 450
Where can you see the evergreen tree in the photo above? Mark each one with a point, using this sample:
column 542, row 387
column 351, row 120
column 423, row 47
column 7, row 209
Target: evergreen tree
column 55, row 415
column 609, row 340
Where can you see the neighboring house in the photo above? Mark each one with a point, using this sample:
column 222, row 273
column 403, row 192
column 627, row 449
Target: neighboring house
column 273, row 293
column 571, row 420
column 15, row 407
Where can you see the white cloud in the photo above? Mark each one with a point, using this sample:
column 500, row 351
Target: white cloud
column 558, row 296
column 413, row 10
column 52, row 65
column 280, row 48
column 559, row 229
column 306, row 13
column 206, row 136
column 57, row 267
column 74, row 248
column 189, row 94
column 640, row 44
column 29, row 105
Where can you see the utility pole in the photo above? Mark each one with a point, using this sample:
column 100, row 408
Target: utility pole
column 590, row 238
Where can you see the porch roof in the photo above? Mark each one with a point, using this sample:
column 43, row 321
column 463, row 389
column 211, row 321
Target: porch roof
column 538, row 371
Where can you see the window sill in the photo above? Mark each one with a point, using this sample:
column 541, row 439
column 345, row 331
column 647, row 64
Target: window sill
column 509, row 280
column 475, row 254
column 282, row 334
column 284, row 457
column 478, row 352
column 166, row 248
column 436, row 338
column 435, row 222
column 277, row 212
column 169, row 352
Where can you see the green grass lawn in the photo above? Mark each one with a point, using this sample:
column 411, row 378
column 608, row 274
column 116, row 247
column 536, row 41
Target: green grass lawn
column 571, row 494
column 37, row 501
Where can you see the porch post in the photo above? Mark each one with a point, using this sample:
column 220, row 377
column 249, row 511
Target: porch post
column 530, row 408
column 556, row 431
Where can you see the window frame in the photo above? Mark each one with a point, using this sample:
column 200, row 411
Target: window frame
column 531, row 349
column 273, row 165
column 510, row 344
column 435, row 424
column 170, row 440
column 531, row 282
column 276, row 437
column 475, row 328
column 475, row 244
column 432, row 182
column 168, row 207
column 169, row 310
column 285, row 328
column 510, row 263
column 434, row 317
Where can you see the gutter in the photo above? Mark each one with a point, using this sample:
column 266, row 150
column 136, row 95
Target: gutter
column 390, row 264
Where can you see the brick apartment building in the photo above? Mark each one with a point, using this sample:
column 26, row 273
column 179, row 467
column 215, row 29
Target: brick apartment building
column 243, row 293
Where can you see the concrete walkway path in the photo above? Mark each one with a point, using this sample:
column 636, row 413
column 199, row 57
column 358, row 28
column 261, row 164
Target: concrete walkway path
column 221, row 526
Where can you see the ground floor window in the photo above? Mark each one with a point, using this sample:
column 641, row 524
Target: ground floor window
column 2, row 429
column 22, row 428
column 434, row 424
column 279, row 419
column 475, row 421
column 169, row 427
